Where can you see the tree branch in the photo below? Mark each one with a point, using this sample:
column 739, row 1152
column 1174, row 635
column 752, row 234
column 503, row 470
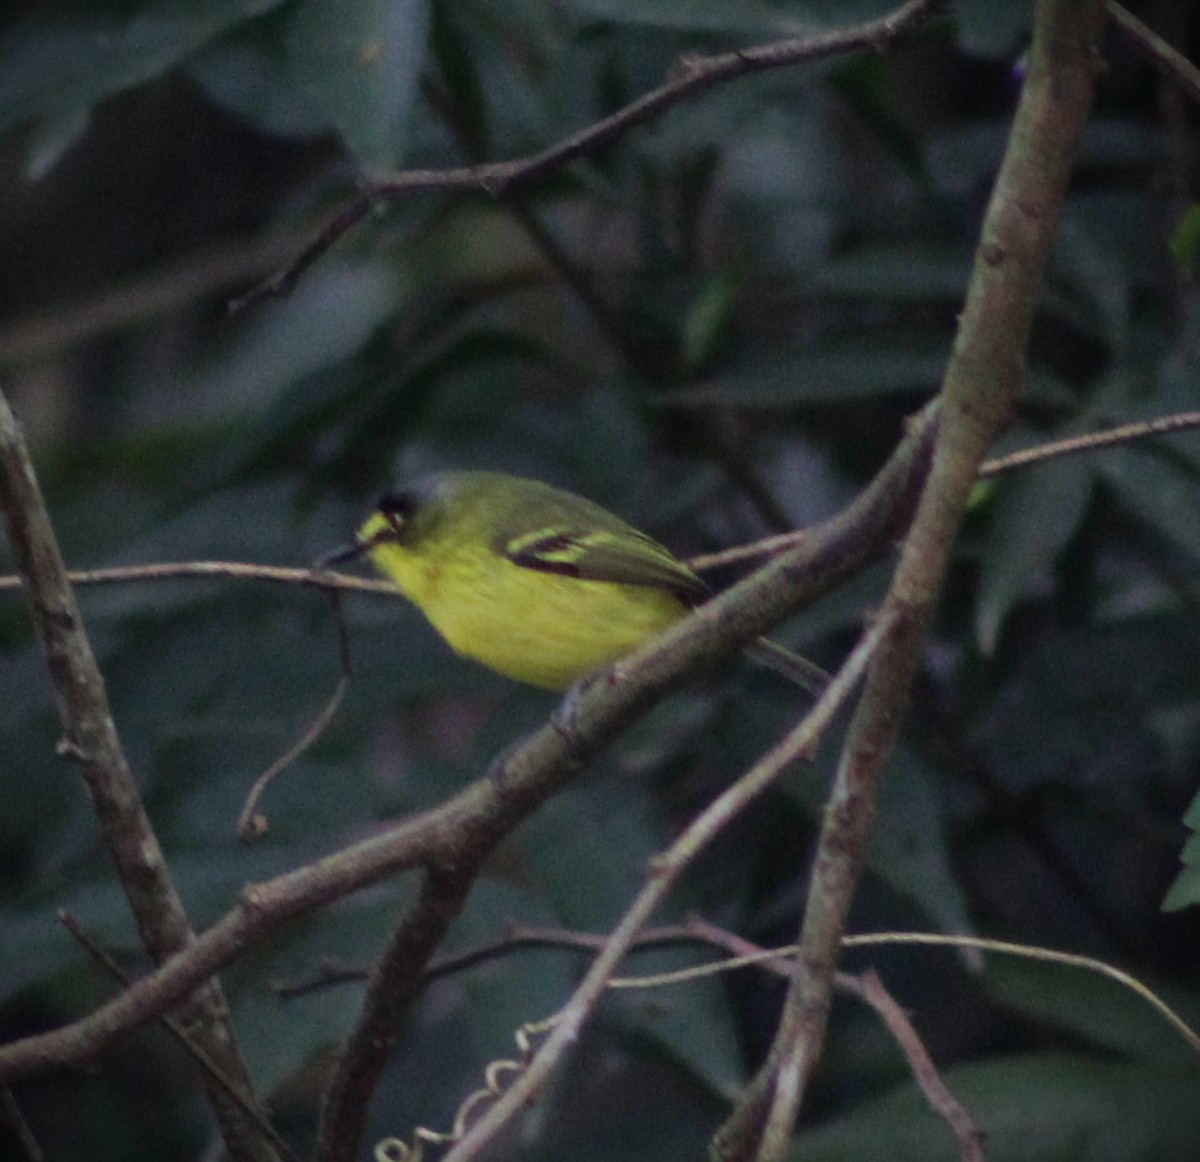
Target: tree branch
column 90, row 739
column 979, row 393
column 472, row 821
column 503, row 179
column 1169, row 61
column 800, row 742
column 396, row 980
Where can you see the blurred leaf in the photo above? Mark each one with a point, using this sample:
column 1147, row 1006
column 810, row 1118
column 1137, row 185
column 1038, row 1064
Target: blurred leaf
column 836, row 370
column 1069, row 698
column 248, row 75
column 360, row 61
column 60, row 60
column 460, row 73
column 785, row 17
column 1091, row 267
column 327, row 318
column 515, row 988
column 577, row 834
column 962, row 159
column 282, row 1035
column 1094, row 1008
column 909, row 849
column 993, row 30
column 1185, row 242
column 1185, row 891
column 707, row 322
column 53, row 138
column 1035, row 515
column 37, row 946
column 589, row 851
column 1157, row 490
column 693, row 15
column 1053, row 1107
column 917, row 273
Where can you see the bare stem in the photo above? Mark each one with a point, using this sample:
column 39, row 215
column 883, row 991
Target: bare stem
column 980, row 391
column 507, row 178
column 90, row 740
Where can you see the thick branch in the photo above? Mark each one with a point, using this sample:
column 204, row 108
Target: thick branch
column 470, row 823
column 1168, row 60
column 801, row 741
column 90, row 739
column 507, row 178
column 394, row 982
column 979, row 393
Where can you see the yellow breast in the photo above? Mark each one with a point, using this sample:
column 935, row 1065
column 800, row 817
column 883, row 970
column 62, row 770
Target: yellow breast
column 546, row 629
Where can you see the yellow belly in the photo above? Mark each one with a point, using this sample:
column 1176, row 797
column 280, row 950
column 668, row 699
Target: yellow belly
column 542, row 628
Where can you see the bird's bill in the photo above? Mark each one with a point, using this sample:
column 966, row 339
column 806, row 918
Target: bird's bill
column 342, row 554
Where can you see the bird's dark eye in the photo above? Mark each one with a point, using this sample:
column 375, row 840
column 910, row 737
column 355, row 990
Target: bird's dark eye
column 398, row 507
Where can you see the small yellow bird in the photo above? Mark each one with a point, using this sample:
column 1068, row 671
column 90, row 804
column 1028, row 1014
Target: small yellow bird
column 536, row 583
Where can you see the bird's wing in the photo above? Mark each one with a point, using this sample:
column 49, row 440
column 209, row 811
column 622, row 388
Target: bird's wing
column 626, row 557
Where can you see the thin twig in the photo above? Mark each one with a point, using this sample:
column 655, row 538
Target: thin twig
column 10, row 1113
column 327, row 580
column 515, row 939
column 979, row 394
column 1025, row 458
column 943, row 1103
column 666, row 869
column 506, row 178
column 251, row 825
column 1125, row 434
column 91, row 741
column 177, row 1030
column 522, row 778
column 1033, row 952
column 179, row 570
column 1169, row 61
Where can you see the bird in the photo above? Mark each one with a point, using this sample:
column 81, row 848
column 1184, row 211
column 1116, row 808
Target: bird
column 537, row 583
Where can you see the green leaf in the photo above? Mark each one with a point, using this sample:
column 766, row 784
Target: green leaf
column 58, row 61
column 248, row 75
column 1036, row 515
column 1185, row 890
column 360, row 60
column 898, row 273
column 1089, row 266
column 589, row 852
column 280, row 1035
column 518, row 987
column 1052, row 1107
column 909, row 849
column 1185, row 242
column 1159, row 491
column 707, row 322
column 834, row 370
column 993, row 30
column 1093, row 1007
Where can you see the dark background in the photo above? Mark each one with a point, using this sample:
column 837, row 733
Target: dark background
column 714, row 327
